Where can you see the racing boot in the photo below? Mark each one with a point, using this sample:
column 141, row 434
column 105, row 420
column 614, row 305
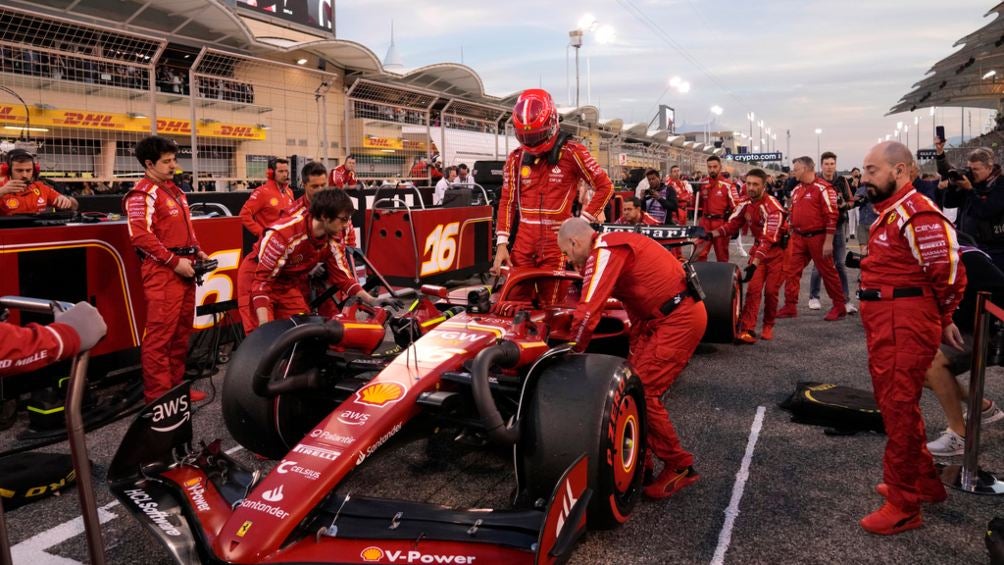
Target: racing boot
column 767, row 333
column 890, row 520
column 835, row 313
column 789, row 311
column 197, row 395
column 927, row 498
column 746, row 337
column 670, row 481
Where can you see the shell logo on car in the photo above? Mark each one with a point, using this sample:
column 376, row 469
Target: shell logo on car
column 380, row 394
column 371, row 553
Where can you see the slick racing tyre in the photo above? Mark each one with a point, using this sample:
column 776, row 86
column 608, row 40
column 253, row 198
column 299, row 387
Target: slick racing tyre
column 723, row 299
column 272, row 426
column 592, row 404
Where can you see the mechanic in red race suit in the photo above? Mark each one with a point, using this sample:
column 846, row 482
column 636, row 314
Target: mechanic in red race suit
column 911, row 283
column 633, row 215
column 666, row 326
column 541, row 179
column 344, row 175
column 269, row 200
column 272, row 279
column 20, row 190
column 765, row 217
column 718, row 198
column 684, row 195
column 34, row 346
column 160, row 228
column 813, row 224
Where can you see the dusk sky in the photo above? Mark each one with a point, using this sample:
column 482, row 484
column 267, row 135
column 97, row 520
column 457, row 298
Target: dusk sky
column 837, row 65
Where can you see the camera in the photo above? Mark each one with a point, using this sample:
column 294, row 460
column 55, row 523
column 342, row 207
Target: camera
column 201, row 268
column 955, row 175
column 853, row 260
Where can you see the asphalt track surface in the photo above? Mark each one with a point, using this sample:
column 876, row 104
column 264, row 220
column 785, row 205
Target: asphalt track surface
column 803, row 497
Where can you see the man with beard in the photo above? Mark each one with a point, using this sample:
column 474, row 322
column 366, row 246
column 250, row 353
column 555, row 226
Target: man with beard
column 911, row 282
column 766, row 219
column 718, row 197
column 269, row 200
column 632, row 214
column 978, row 193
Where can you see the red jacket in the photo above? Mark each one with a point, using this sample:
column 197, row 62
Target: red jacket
column 545, row 193
column 35, row 198
column 814, row 207
column 348, row 237
column 765, row 218
column 342, row 178
column 632, row 268
column 718, row 198
column 912, row 244
column 34, row 346
column 264, row 206
column 684, row 198
column 158, row 219
column 646, row 220
column 288, row 251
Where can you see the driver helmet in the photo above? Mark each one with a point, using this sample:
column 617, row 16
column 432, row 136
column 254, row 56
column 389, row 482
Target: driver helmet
column 535, row 119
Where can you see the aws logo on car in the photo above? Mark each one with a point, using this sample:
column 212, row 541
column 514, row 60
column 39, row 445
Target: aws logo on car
column 373, row 554
column 380, row 394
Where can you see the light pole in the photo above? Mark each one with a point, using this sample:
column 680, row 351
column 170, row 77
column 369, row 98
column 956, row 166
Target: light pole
column 587, row 24
column 717, row 111
column 906, row 135
column 751, row 117
column 916, row 127
column 819, row 132
column 575, row 40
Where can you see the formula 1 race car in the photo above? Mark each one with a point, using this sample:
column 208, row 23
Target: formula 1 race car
column 503, row 368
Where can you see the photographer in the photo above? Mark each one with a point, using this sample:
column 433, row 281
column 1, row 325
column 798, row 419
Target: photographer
column 659, row 202
column 978, row 193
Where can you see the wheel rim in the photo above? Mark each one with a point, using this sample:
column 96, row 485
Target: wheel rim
column 627, row 442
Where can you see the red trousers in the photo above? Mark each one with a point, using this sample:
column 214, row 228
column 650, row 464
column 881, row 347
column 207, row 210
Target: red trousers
column 903, row 337
column 170, row 313
column 536, row 246
column 801, row 250
column 766, row 283
column 660, row 349
column 287, row 297
column 720, row 243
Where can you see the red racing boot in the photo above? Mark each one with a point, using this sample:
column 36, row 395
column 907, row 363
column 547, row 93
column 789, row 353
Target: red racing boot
column 789, row 311
column 767, row 333
column 835, row 313
column 670, row 481
column 883, row 490
column 890, row 520
column 197, row 395
column 746, row 337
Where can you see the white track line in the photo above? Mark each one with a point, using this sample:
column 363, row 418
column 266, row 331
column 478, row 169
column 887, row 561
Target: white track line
column 725, row 537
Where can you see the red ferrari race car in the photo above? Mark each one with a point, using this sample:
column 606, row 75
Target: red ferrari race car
column 501, row 367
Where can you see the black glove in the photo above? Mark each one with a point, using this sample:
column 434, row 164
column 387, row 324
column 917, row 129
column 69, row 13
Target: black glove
column 391, row 302
column 86, row 321
column 748, row 273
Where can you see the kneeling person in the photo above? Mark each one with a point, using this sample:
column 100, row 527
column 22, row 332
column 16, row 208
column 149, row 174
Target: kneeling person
column 272, row 280
column 667, row 324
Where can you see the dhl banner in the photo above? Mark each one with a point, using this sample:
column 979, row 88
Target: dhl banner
column 82, row 119
column 372, row 142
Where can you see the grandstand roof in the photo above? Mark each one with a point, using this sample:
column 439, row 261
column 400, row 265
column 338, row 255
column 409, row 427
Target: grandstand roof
column 957, row 80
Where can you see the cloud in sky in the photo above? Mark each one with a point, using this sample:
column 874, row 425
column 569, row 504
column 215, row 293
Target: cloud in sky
column 798, row 65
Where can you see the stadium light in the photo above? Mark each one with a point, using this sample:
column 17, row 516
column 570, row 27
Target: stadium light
column 990, row 74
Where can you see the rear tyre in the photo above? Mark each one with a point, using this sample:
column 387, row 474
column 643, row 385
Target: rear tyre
column 723, row 299
column 591, row 404
column 272, row 426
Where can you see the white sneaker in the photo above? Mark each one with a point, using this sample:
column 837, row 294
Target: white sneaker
column 990, row 415
column 815, row 304
column 949, row 444
column 851, row 309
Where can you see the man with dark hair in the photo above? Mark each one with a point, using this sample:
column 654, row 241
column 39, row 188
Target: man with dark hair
column 659, row 201
column 765, row 217
column 813, row 223
column 269, row 200
column 684, row 194
column 344, row 175
column 634, row 214
column 160, row 227
column 911, row 283
column 272, row 279
column 464, row 176
column 314, row 177
column 845, row 199
column 718, row 198
column 20, row 190
column 978, row 193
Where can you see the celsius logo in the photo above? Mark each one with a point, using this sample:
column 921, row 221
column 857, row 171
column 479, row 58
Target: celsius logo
column 373, row 553
column 274, row 495
column 292, row 467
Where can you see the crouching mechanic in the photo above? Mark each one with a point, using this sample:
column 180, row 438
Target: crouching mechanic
column 34, row 346
column 272, row 279
column 667, row 323
column 911, row 283
column 766, row 219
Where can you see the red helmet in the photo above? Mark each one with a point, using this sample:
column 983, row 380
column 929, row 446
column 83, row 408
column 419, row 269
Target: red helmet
column 535, row 119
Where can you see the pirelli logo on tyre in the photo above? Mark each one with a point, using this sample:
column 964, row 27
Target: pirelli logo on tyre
column 380, row 394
